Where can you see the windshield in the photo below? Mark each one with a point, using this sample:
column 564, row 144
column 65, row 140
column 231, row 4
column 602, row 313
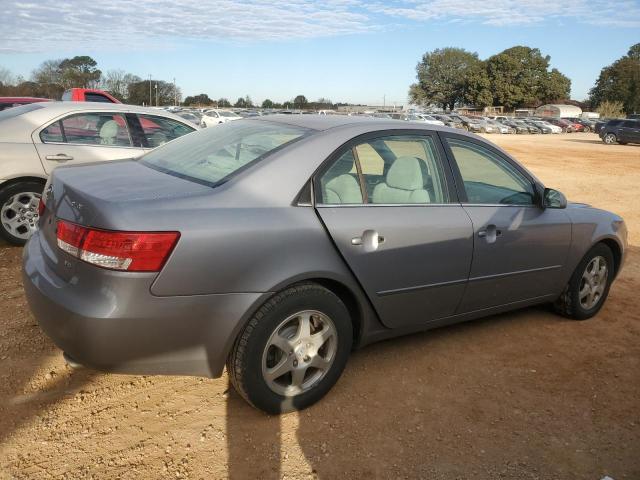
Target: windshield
column 213, row 155
column 16, row 111
column 227, row 114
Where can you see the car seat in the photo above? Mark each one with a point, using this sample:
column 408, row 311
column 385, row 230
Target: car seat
column 403, row 183
column 343, row 187
column 108, row 133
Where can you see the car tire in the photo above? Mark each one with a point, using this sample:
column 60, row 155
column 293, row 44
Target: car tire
column 255, row 361
column 587, row 130
column 610, row 138
column 15, row 198
column 586, row 292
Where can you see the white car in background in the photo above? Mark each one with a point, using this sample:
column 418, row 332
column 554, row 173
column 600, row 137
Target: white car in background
column 216, row 116
column 554, row 128
column 38, row 137
column 429, row 119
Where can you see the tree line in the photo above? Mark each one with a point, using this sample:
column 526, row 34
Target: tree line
column 518, row 77
column 300, row 102
column 53, row 77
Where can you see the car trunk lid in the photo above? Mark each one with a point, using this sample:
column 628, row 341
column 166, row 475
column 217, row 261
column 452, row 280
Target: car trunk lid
column 120, row 196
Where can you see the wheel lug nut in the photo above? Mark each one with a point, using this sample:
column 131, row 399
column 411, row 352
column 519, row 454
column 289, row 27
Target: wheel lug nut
column 306, row 358
column 295, row 363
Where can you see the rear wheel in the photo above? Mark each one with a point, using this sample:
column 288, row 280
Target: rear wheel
column 589, row 286
column 19, row 211
column 587, row 130
column 293, row 350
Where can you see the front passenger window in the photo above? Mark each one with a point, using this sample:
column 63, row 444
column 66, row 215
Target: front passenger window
column 488, row 178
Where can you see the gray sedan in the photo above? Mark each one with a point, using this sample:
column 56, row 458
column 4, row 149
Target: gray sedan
column 276, row 245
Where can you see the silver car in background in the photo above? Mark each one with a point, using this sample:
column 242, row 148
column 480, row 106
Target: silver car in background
column 276, row 245
column 36, row 138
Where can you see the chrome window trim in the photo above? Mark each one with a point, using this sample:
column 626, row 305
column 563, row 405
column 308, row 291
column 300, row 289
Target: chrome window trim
column 343, row 205
column 92, row 145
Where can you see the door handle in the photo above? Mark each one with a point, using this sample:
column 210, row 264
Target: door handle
column 370, row 240
column 490, row 233
column 60, row 157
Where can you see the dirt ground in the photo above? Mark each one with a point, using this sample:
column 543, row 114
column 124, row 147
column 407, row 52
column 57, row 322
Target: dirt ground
column 524, row 395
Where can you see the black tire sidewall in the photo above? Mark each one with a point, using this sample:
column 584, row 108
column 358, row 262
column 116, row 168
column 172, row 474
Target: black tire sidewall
column 578, row 312
column 10, row 190
column 259, row 393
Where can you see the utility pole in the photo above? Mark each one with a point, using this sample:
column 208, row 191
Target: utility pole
column 384, row 101
column 156, row 94
column 175, row 93
column 150, row 101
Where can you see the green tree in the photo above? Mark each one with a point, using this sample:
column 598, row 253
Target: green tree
column 300, row 102
column 79, row 71
column 139, row 93
column 201, row 99
column 223, row 103
column 267, row 103
column 443, row 77
column 556, row 88
column 477, row 86
column 519, row 77
column 240, row 103
column 620, row 82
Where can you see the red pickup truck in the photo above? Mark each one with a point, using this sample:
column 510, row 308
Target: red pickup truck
column 88, row 95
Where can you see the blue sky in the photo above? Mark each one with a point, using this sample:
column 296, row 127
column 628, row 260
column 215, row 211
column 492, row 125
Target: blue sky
column 345, row 50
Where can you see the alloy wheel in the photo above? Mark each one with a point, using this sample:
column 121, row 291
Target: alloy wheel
column 609, row 139
column 19, row 214
column 593, row 282
column 299, row 353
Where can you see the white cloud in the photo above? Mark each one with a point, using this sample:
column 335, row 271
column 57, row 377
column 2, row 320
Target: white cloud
column 622, row 13
column 31, row 26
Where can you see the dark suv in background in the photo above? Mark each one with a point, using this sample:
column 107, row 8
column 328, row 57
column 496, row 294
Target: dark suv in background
column 621, row 131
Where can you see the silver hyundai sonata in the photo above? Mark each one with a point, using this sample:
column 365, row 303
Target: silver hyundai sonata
column 277, row 245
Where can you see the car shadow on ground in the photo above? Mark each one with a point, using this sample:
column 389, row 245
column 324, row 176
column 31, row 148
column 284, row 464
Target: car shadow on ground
column 29, row 386
column 366, row 426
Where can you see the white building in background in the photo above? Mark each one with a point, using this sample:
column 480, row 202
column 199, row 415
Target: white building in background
column 559, row 111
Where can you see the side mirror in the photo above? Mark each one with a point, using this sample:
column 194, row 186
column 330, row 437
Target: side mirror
column 553, row 199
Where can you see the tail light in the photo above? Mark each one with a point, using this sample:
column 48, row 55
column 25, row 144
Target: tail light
column 127, row 251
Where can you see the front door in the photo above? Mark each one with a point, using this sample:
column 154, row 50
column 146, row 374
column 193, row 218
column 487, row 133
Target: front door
column 390, row 207
column 85, row 137
column 519, row 247
column 630, row 131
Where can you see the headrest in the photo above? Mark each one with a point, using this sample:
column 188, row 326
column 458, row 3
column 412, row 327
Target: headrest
column 343, row 165
column 405, row 174
column 109, row 129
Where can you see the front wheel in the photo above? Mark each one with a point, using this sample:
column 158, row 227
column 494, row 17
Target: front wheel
column 293, row 350
column 19, row 211
column 610, row 138
column 589, row 285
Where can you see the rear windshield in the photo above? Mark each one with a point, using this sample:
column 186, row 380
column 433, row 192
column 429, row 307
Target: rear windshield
column 213, row 155
column 16, row 111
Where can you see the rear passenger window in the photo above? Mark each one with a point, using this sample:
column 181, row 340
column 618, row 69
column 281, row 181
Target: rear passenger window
column 160, row 130
column 52, row 134
column 104, row 129
column 386, row 171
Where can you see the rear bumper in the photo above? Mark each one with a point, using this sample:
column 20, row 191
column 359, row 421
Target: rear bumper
column 110, row 321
